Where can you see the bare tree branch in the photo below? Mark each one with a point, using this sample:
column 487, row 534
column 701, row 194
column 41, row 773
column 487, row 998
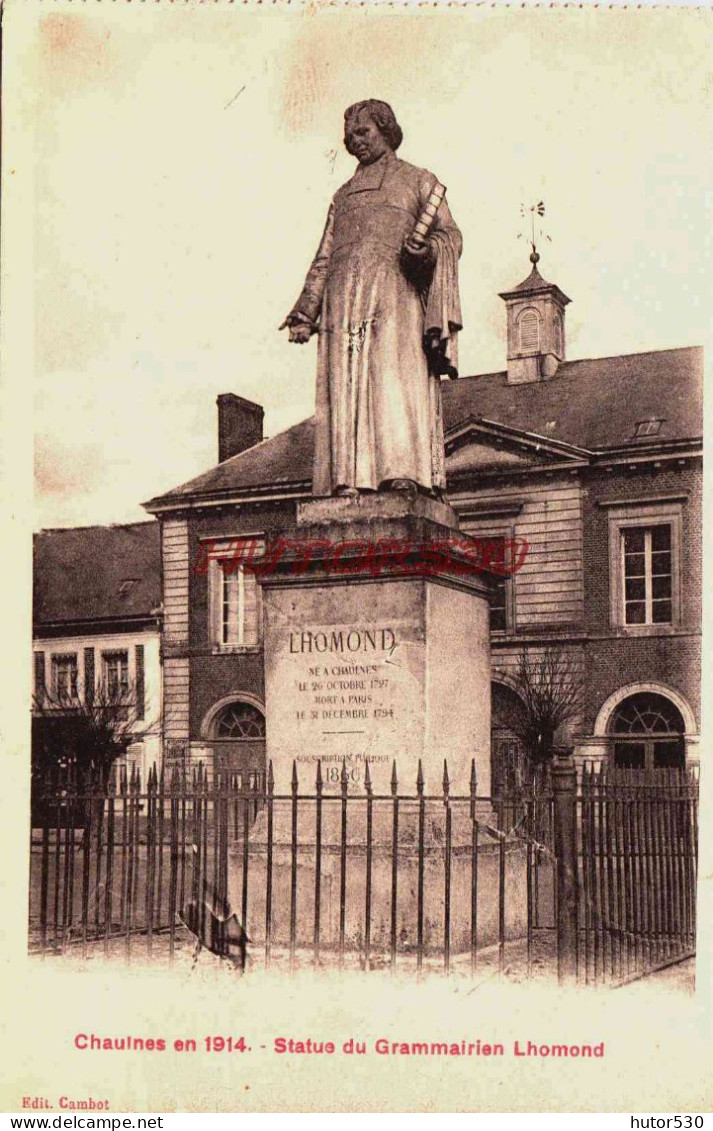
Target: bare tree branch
column 551, row 689
column 87, row 732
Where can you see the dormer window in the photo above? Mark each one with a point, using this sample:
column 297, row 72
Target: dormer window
column 529, row 326
column 650, row 427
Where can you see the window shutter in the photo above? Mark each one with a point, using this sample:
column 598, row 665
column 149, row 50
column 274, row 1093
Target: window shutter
column 251, row 609
column 40, row 675
column 140, row 682
column 89, row 675
column 529, row 331
column 557, row 326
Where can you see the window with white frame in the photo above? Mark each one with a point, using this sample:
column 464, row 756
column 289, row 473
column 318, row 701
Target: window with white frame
column 64, row 675
column 235, row 608
column 116, row 673
column 644, row 565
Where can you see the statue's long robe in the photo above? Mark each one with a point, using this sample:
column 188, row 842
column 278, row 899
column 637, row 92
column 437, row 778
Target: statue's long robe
column 378, row 408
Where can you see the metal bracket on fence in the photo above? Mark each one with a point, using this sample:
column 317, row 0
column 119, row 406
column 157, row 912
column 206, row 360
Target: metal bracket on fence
column 512, row 836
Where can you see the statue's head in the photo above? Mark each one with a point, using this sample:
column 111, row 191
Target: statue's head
column 370, row 130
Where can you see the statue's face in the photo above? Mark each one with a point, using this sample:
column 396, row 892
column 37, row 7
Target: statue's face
column 365, row 140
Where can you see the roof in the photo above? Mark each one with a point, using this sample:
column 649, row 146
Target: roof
column 96, row 573
column 594, row 404
column 535, row 284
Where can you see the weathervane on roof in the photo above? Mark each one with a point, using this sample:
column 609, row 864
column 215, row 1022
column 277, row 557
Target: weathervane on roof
column 534, row 210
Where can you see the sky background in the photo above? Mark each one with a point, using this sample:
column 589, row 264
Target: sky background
column 184, row 161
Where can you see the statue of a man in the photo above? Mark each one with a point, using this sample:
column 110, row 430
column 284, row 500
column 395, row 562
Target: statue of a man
column 385, row 305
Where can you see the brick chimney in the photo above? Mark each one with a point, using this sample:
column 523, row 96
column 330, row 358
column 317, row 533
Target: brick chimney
column 239, row 425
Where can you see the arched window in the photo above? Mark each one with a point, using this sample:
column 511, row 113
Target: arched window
column 647, row 732
column 239, row 720
column 529, row 329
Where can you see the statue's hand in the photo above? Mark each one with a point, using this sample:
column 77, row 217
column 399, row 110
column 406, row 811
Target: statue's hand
column 419, row 255
column 300, row 332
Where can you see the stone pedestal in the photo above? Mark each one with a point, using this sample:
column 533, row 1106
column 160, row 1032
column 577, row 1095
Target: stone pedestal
column 376, row 639
column 339, row 881
column 377, row 653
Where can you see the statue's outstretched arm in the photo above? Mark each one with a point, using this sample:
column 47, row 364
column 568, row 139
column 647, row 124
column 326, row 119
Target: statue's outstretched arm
column 308, row 306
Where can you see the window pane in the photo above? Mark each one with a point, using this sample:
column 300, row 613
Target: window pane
column 635, row 612
column 661, row 538
column 634, row 540
column 636, row 589
column 669, row 754
column 662, row 612
column 661, row 587
column 630, row 754
column 498, row 600
column 660, row 563
column 497, row 620
column 634, row 565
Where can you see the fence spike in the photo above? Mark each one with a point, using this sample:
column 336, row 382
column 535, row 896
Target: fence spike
column 446, row 779
column 419, row 778
column 295, row 783
column 367, row 776
column 318, row 776
column 473, row 778
column 270, row 777
column 394, row 780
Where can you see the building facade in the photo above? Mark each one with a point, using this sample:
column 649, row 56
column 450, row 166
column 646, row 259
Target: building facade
column 593, row 465
column 97, row 624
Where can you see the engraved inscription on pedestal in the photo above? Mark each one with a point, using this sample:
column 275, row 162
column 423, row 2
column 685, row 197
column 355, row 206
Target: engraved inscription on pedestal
column 349, row 692
column 367, row 671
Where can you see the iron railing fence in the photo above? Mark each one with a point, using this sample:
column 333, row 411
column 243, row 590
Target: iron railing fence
column 637, row 864
column 310, row 874
column 592, row 873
